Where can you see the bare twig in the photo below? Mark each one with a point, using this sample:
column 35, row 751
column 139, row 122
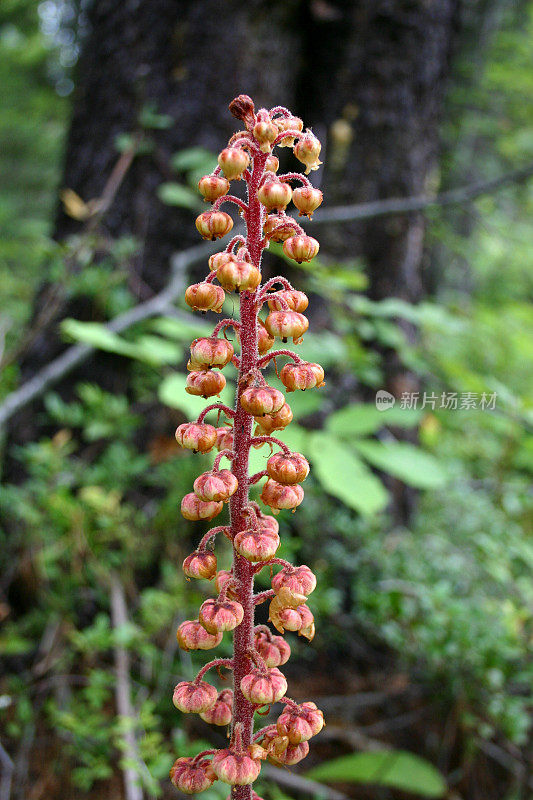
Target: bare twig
column 125, row 710
column 7, row 774
column 77, row 354
column 300, row 784
column 404, row 205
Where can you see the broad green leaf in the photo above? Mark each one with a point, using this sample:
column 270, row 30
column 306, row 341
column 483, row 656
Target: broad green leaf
column 181, row 329
column 304, row 403
column 194, row 158
column 326, row 348
column 175, row 194
column 150, row 349
column 405, row 461
column 344, row 475
column 395, row 768
column 363, row 418
column 172, row 393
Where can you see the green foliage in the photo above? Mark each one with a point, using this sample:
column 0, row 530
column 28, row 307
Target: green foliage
column 394, row 768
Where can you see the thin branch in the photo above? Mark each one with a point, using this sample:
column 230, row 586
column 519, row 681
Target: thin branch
column 7, row 774
column 77, row 354
column 125, row 710
column 403, row 205
column 298, row 783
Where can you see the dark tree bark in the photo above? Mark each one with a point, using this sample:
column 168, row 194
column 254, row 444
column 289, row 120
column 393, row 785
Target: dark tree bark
column 380, row 66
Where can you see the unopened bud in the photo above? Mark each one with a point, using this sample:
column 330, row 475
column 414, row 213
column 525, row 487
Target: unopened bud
column 307, row 200
column 201, row 564
column 287, row 468
column 274, row 194
column 205, row 297
column 195, row 509
column 295, row 300
column 193, row 636
column 256, row 544
column 274, row 650
column 213, row 225
column 211, row 352
column 265, row 131
column 233, row 161
column 211, row 187
column 192, row 777
column 301, row 248
column 288, row 124
column 264, row 687
column 193, row 698
column 287, row 324
column 300, row 580
column 238, row 276
column 279, row 497
column 220, row 615
column 307, row 150
column 218, row 486
column 274, row 422
column 300, row 723
column 302, row 376
column 236, row 767
column 260, row 400
column 205, row 383
column 198, row 437
column 220, row 713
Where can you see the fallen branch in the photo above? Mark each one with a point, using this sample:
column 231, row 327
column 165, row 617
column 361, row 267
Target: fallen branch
column 7, row 774
column 125, row 710
column 77, row 354
column 300, row 784
column 404, row 205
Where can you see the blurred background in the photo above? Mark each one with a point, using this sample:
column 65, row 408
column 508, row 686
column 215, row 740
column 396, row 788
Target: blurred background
column 417, row 515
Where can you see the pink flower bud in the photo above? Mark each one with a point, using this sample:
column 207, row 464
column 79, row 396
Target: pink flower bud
column 235, row 767
column 238, row 276
column 263, row 688
column 302, row 376
column 274, row 650
column 211, row 187
column 221, row 713
column 199, row 437
column 193, row 636
column 278, row 497
column 194, row 509
column 217, row 259
column 205, row 383
column 268, row 523
column 224, row 438
column 201, row 564
column 265, row 131
column 274, row 422
column 299, row 580
column 242, row 107
column 211, row 352
column 274, row 194
column 307, row 150
column 264, row 340
column 272, row 164
column 259, row 400
column 218, row 486
column 307, row 200
column 286, row 614
column 220, row 615
column 213, row 225
column 256, row 544
column 193, row 698
column 192, row 777
column 297, row 301
column 288, row 124
column 285, row 324
column 233, row 161
column 278, row 228
column 287, row 469
column 205, row 297
column 288, row 756
column 301, row 248
column 223, row 581
column 300, row 723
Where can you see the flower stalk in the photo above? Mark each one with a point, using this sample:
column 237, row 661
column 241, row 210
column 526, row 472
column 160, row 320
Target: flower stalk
column 257, row 651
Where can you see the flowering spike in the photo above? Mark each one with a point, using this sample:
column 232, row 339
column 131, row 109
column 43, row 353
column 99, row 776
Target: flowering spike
column 257, row 652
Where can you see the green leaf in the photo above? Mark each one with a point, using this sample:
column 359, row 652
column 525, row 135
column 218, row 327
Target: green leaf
column 326, row 348
column 344, row 475
column 150, row 349
column 180, row 329
column 197, row 158
column 172, row 393
column 361, row 419
column 405, row 461
column 175, row 194
column 396, row 768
